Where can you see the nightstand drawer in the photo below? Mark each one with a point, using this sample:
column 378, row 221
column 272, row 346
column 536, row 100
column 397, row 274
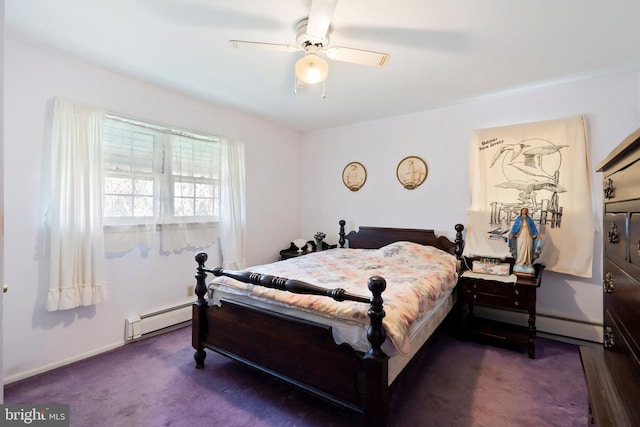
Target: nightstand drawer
column 494, row 293
column 490, row 287
column 515, row 299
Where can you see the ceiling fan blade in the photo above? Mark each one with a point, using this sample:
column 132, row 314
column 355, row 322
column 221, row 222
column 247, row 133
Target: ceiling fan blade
column 357, row 56
column 263, row 46
column 320, row 18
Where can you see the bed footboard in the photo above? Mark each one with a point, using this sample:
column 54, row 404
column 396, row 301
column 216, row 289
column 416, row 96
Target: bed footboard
column 348, row 378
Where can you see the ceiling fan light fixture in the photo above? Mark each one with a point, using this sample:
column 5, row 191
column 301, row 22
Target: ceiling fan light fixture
column 311, row 69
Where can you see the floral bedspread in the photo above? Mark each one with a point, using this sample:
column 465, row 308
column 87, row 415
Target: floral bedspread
column 417, row 276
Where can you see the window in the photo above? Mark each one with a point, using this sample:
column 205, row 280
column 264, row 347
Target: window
column 158, row 175
column 194, row 171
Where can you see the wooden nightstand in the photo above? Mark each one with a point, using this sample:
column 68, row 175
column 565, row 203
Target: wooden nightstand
column 292, row 251
column 519, row 296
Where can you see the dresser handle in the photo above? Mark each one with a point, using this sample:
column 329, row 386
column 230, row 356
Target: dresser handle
column 613, row 236
column 517, row 292
column 516, row 303
column 609, row 340
column 609, row 190
column 607, row 283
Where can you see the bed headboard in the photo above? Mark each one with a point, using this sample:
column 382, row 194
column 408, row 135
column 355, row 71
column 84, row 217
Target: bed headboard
column 377, row 237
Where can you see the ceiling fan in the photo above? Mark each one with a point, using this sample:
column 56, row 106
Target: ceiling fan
column 312, row 37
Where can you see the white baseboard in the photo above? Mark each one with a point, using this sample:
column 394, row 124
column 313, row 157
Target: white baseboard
column 60, row 363
column 571, row 328
column 148, row 325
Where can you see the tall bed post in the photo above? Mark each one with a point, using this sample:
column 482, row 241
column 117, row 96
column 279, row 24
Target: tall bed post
column 459, row 241
column 376, row 362
column 199, row 311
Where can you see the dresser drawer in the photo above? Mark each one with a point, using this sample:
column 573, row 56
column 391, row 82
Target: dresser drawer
column 634, row 240
column 622, row 235
column 625, row 183
column 621, row 363
column 621, row 301
column 615, row 236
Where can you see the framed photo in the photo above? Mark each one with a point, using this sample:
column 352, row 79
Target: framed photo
column 354, row 175
column 411, row 172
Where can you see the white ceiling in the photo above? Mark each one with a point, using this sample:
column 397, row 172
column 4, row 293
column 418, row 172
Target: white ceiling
column 442, row 52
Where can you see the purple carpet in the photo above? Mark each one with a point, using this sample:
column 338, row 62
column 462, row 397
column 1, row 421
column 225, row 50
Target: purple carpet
column 153, row 382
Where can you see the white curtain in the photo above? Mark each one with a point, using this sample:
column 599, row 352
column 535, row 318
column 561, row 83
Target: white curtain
column 76, row 234
column 232, row 204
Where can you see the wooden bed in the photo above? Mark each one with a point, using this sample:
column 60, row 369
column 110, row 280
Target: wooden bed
column 302, row 352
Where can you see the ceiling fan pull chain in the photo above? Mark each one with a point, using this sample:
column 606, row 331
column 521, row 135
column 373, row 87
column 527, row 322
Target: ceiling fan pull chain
column 324, row 95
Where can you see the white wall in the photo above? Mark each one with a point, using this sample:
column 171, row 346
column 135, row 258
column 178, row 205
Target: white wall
column 442, row 138
column 35, row 339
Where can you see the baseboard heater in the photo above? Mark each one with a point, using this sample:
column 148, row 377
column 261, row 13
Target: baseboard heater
column 136, row 327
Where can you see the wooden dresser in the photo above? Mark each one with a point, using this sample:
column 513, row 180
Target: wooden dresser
column 612, row 370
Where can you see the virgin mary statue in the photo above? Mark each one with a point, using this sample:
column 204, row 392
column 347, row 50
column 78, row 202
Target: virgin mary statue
column 525, row 243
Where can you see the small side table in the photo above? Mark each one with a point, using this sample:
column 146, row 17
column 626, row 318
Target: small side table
column 292, row 251
column 519, row 296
